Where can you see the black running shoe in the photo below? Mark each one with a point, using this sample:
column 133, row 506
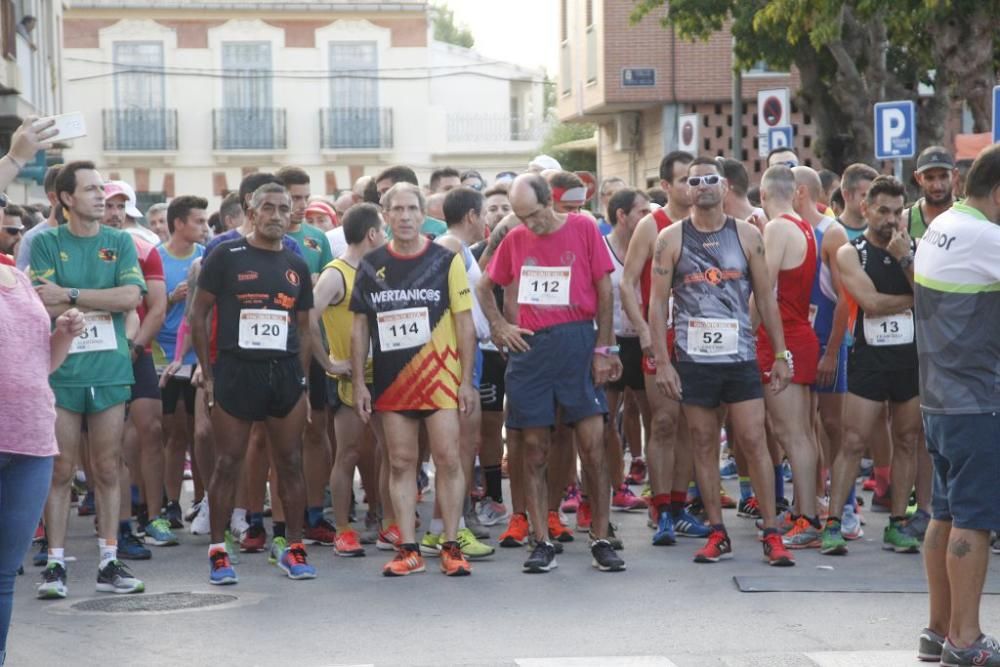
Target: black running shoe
column 542, row 559
column 604, row 557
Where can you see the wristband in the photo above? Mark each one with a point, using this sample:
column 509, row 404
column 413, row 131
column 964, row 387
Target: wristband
column 607, row 350
column 17, row 164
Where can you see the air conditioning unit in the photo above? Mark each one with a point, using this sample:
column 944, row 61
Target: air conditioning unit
column 627, row 131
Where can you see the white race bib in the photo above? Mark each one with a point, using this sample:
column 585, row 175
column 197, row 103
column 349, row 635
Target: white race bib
column 98, row 334
column 404, row 328
column 262, row 329
column 712, row 337
column 889, row 330
column 544, row 285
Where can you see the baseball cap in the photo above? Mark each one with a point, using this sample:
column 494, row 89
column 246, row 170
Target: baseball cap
column 934, row 157
column 322, row 208
column 505, row 177
column 543, row 162
column 117, row 188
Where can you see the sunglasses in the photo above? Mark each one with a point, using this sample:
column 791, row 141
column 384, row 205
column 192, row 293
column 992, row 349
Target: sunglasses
column 13, row 230
column 711, row 179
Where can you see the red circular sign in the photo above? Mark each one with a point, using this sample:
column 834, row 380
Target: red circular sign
column 687, row 133
column 772, row 111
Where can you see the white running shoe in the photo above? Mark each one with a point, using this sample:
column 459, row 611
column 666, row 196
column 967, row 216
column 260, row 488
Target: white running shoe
column 200, row 525
column 491, row 512
column 850, row 524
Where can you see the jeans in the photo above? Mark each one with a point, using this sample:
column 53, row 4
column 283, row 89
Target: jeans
column 24, row 485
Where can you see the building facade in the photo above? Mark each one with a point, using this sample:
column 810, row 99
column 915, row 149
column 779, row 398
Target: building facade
column 185, row 97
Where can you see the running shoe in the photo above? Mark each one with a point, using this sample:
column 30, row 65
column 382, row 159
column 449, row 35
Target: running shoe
column 823, row 508
column 293, row 562
column 158, row 533
column 254, row 540
column 453, row 562
column 407, row 561
column 850, row 524
column 604, row 558
column 775, row 552
column 116, row 578
column 53, row 583
column 786, row 471
column 636, row 472
column 472, row 523
column 557, row 531
column 870, row 484
column 571, row 501
column 665, row 534
column 612, row 538
column 717, row 548
column 696, row 508
column 727, row 469
column 174, row 515
column 491, row 512
column 86, row 506
column 322, row 533
column 130, row 548
column 193, row 512
column 686, row 525
column 748, row 508
column 516, row 534
column 220, row 569
column 238, row 525
column 726, row 500
column 430, row 545
column 41, row 559
column 784, row 522
column 388, row 539
column 542, row 559
column 347, row 544
column 895, row 538
column 232, row 546
column 647, row 491
column 626, row 501
column 803, row 535
column 278, row 546
column 583, row 517
column 833, row 542
column 984, row 651
column 930, row 645
column 916, row 524
column 200, row 524
column 472, row 547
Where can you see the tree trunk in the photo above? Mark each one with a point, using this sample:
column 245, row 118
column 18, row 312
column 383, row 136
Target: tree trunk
column 963, row 50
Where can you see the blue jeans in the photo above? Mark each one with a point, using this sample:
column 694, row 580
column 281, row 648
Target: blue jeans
column 24, row 485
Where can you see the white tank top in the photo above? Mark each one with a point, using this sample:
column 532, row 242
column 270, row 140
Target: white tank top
column 622, row 323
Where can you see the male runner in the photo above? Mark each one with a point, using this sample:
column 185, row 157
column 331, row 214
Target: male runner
column 411, row 303
column 94, row 268
column 123, row 212
column 431, row 227
column 156, row 218
column 264, row 293
column 562, row 267
column 444, row 180
column 936, row 175
column 710, row 264
column 877, row 273
column 783, row 155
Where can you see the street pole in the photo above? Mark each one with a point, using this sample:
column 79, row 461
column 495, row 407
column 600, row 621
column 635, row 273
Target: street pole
column 898, row 169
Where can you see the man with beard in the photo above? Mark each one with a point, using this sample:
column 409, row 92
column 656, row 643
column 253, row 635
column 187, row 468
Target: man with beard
column 936, row 175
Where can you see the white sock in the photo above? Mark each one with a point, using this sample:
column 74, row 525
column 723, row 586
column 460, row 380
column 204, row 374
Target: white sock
column 221, row 546
column 437, row 526
column 57, row 556
column 239, row 516
column 109, row 552
column 461, row 522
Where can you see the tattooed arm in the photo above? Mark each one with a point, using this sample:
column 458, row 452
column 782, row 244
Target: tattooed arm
column 496, row 237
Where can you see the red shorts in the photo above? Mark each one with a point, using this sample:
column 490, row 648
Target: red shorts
column 649, row 364
column 803, row 345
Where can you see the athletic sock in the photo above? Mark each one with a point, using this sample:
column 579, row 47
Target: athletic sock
column 314, row 514
column 58, row 556
column 494, row 482
column 125, row 527
column 719, row 526
column 693, row 491
column 677, row 501
column 109, row 552
column 746, row 489
column 437, row 526
column 279, row 529
column 779, row 483
column 239, row 516
column 661, row 502
column 221, row 546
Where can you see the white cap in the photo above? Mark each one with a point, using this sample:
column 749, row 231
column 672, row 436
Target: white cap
column 543, row 162
column 119, row 188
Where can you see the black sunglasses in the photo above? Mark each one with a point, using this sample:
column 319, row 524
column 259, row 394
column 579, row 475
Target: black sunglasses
column 13, row 230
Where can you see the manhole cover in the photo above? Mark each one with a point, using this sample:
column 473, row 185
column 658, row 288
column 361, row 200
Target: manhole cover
column 157, row 602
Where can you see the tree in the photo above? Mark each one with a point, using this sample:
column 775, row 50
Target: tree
column 570, row 160
column 445, row 29
column 853, row 53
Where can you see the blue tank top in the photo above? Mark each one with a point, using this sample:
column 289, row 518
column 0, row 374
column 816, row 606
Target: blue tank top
column 824, row 299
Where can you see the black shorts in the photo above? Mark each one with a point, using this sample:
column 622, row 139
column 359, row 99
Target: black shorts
column 491, row 385
column 710, row 385
column 147, row 383
column 256, row 390
column 317, row 386
column 176, row 389
column 332, row 395
column 631, row 358
column 415, row 414
column 895, row 386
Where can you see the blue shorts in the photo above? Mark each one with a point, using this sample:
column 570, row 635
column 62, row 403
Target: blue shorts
column 477, row 370
column 555, row 372
column 965, row 450
column 839, row 385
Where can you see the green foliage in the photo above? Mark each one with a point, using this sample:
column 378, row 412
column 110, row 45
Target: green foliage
column 445, row 29
column 570, row 160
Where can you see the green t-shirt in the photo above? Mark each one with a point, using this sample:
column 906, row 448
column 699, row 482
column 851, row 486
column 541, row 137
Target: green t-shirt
column 432, row 227
column 315, row 247
column 106, row 260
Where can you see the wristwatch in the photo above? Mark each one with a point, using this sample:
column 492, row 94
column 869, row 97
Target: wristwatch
column 785, row 356
column 607, row 350
column 74, row 294
column 905, row 262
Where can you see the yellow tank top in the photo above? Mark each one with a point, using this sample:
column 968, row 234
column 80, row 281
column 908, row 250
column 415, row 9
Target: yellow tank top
column 337, row 322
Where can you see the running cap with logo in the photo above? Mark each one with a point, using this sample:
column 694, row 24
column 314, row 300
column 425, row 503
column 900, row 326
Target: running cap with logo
column 543, row 162
column 121, row 188
column 934, row 157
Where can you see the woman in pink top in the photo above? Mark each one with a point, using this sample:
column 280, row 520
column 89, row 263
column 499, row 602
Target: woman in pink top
column 30, row 349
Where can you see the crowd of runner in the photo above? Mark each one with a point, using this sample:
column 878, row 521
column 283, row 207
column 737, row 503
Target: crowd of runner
column 624, row 356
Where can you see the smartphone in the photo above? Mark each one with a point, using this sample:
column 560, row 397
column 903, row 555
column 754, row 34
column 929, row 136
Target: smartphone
column 68, row 126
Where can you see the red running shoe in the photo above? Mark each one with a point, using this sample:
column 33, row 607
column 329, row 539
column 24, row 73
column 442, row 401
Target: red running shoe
column 717, row 548
column 775, row 552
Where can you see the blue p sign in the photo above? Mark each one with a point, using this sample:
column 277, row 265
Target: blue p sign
column 779, row 137
column 895, row 130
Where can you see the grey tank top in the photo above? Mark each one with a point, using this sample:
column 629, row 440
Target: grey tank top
column 711, row 290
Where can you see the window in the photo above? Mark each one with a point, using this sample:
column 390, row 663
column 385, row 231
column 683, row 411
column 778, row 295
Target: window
column 247, row 119
column 354, row 119
column 761, row 67
column 591, row 43
column 139, row 120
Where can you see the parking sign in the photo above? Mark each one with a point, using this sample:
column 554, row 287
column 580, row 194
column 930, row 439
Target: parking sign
column 895, row 130
column 779, row 137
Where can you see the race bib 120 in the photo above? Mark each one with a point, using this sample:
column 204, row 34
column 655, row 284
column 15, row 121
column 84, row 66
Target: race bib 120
column 262, row 329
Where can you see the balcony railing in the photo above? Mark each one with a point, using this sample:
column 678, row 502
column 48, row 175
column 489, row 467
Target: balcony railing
column 355, row 127
column 252, row 128
column 140, row 129
column 476, row 127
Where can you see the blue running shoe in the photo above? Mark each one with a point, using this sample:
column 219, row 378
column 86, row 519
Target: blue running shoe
column 664, row 535
column 293, row 562
column 687, row 525
column 159, row 534
column 41, row 559
column 130, row 548
column 221, row 572
column 728, row 469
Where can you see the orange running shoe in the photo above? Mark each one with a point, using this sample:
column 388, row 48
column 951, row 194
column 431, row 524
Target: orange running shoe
column 453, row 562
column 347, row 544
column 516, row 534
column 557, row 531
column 803, row 535
column 389, row 538
column 407, row 561
column 726, row 500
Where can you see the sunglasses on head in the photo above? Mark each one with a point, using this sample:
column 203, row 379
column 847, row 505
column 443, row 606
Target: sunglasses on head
column 711, row 179
column 13, row 230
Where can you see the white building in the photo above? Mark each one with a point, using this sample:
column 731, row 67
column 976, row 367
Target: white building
column 185, row 96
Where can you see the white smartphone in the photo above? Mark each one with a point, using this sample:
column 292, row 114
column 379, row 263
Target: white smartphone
column 68, row 126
